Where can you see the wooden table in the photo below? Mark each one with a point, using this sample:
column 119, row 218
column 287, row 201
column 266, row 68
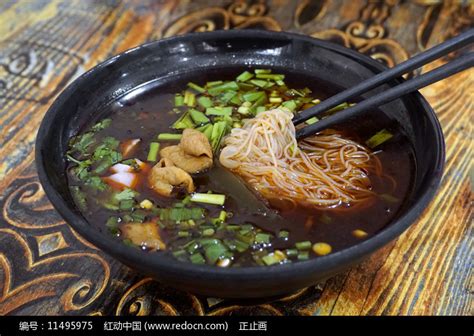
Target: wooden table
column 46, row 268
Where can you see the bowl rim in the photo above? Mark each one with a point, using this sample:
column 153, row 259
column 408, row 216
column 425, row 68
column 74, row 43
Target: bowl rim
column 112, row 246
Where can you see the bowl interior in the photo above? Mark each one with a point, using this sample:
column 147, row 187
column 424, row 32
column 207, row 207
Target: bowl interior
column 167, row 61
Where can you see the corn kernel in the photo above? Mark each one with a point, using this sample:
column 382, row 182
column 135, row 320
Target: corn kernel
column 322, row 248
column 146, row 204
column 359, row 234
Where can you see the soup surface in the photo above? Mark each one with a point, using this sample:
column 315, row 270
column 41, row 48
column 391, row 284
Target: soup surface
column 239, row 227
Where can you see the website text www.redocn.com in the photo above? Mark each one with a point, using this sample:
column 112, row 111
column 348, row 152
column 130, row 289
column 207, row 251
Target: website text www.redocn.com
column 148, row 326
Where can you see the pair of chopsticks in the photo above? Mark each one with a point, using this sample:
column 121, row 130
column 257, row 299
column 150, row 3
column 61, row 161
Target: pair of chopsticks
column 462, row 63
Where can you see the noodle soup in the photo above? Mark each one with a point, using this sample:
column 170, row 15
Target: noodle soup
column 209, row 172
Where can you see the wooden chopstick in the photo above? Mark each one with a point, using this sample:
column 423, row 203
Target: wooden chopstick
column 384, row 77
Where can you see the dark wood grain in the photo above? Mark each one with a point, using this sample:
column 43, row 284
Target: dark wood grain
column 46, row 268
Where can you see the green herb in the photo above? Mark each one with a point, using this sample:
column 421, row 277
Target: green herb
column 126, row 194
column 112, row 224
column 126, row 204
column 79, row 197
column 82, row 142
column 95, row 182
column 103, row 124
column 312, row 120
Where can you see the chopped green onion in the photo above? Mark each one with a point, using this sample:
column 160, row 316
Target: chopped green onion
column 339, row 107
column 196, row 87
column 227, row 96
column 222, row 215
column 218, row 131
column 259, row 82
column 214, row 250
column 153, row 152
column 169, row 136
column 262, row 238
column 213, row 83
column 379, row 138
column 303, row 255
column 275, row 100
column 274, row 258
column 183, row 234
column 219, row 111
column 208, row 232
column 252, row 95
column 189, row 98
column 215, row 90
column 262, row 71
column 304, row 245
column 274, row 77
column 244, row 76
column 183, row 122
column 290, row 105
column 179, row 253
column 197, row 258
column 207, row 130
column 208, row 198
column 290, row 253
column 325, row 218
column 283, row 234
column 312, row 120
column 178, row 100
column 389, row 198
column 204, row 101
column 271, row 259
column 236, row 100
column 198, row 117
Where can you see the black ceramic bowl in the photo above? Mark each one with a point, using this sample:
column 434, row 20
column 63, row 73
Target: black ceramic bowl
column 334, row 66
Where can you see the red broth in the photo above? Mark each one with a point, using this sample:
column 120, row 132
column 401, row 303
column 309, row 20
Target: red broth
column 144, row 113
